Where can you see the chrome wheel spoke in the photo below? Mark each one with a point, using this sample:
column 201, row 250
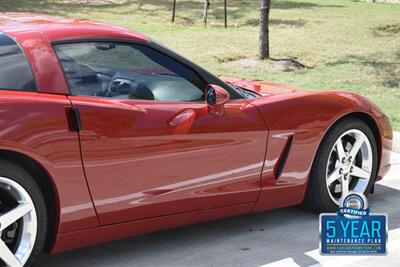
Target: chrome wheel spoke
column 335, row 175
column 345, row 186
column 7, row 256
column 18, row 223
column 360, row 139
column 340, row 149
column 358, row 172
column 14, row 215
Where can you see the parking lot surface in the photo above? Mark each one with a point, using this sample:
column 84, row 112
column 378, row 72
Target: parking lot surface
column 283, row 237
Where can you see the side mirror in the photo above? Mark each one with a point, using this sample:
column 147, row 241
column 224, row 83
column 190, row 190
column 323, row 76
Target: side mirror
column 216, row 97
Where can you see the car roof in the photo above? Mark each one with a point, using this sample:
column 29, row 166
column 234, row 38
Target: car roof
column 57, row 28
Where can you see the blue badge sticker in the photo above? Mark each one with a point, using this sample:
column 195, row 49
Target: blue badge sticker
column 353, row 230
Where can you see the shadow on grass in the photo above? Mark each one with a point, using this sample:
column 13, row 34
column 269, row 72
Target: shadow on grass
column 283, row 22
column 242, row 5
column 296, row 4
column 388, row 72
column 237, row 8
column 57, row 7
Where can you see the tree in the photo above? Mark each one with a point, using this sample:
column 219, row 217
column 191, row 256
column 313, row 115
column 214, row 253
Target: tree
column 173, row 10
column 207, row 4
column 264, row 29
column 226, row 13
column 206, row 8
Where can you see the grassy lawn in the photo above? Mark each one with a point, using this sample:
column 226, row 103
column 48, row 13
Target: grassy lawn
column 349, row 45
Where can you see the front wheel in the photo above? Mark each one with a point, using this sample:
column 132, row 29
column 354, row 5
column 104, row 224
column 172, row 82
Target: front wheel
column 346, row 161
column 22, row 217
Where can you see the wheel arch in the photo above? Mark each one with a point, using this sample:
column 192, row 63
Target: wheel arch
column 45, row 182
column 370, row 121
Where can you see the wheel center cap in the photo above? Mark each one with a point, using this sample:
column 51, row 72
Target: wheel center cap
column 346, row 167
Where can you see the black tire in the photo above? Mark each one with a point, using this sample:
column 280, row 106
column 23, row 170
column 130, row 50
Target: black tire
column 317, row 196
column 21, row 176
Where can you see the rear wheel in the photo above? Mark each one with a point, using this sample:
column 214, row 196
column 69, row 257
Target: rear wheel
column 22, row 216
column 346, row 161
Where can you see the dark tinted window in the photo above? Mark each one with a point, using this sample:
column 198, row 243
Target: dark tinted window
column 127, row 71
column 15, row 72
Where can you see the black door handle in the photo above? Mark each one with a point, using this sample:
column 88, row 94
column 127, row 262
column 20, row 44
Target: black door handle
column 74, row 119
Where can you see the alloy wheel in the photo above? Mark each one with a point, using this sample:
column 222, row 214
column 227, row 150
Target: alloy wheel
column 18, row 224
column 349, row 165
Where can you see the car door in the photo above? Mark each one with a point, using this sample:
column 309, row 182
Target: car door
column 149, row 146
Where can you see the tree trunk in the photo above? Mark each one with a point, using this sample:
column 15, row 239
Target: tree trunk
column 173, row 10
column 264, row 29
column 206, row 7
column 226, row 13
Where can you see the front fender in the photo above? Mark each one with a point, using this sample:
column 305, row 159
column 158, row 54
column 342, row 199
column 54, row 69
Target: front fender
column 297, row 123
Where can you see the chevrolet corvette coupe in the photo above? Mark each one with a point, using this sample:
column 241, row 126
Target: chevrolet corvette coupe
column 104, row 134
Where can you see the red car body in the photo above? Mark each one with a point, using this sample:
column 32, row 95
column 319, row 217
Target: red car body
column 141, row 166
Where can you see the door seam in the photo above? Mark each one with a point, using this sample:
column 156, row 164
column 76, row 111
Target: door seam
column 84, row 169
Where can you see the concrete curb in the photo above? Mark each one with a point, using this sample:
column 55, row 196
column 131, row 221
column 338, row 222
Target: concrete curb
column 396, row 142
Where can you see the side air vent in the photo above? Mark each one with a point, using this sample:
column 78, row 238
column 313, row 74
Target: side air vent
column 282, row 159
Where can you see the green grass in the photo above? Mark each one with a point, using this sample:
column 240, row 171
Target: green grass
column 350, row 45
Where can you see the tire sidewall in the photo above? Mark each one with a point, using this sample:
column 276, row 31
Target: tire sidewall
column 318, row 180
column 14, row 172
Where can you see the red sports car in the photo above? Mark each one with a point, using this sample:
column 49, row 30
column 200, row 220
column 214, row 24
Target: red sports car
column 105, row 133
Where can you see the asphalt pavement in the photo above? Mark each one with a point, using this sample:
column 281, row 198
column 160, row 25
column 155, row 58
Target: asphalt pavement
column 283, row 237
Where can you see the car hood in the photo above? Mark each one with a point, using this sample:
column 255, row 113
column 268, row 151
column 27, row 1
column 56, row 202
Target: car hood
column 263, row 88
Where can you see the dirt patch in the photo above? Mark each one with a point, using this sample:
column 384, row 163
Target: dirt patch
column 389, row 29
column 273, row 65
column 228, row 58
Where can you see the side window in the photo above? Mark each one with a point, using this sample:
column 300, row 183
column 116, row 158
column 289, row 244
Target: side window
column 127, row 71
column 15, row 72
